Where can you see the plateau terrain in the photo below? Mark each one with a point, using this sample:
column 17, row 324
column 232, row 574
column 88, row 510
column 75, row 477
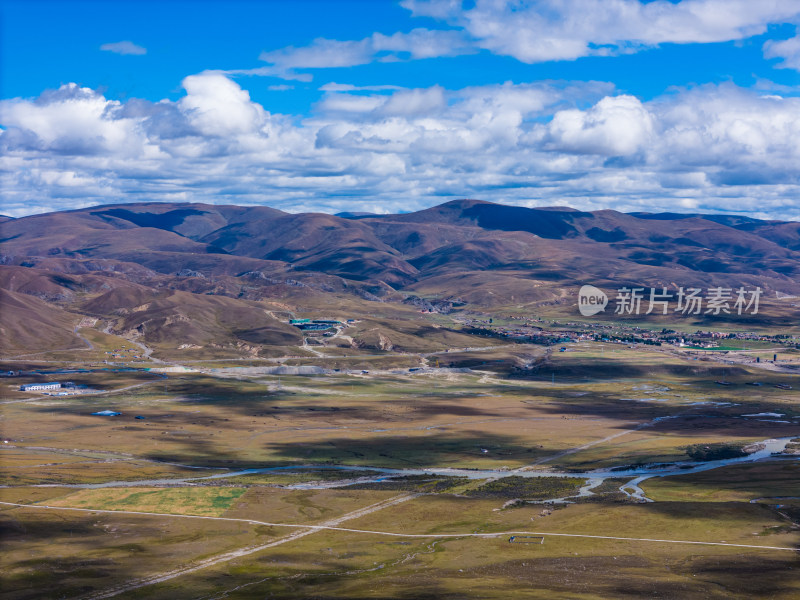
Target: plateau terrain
column 206, row 401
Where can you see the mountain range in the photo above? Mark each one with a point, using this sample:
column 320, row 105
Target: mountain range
column 199, row 274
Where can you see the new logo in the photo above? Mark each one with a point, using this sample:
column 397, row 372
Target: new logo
column 591, row 300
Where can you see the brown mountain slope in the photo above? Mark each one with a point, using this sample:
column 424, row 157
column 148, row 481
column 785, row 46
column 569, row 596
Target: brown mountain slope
column 174, row 318
column 316, row 242
column 784, row 234
column 28, row 324
column 54, row 285
column 197, row 274
column 690, row 243
column 75, row 235
column 190, row 220
column 401, row 249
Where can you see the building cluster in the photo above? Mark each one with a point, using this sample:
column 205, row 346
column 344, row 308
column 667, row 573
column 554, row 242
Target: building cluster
column 539, row 331
column 47, row 386
column 314, row 324
column 318, row 324
column 121, row 353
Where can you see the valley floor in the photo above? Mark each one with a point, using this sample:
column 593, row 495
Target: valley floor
column 609, row 472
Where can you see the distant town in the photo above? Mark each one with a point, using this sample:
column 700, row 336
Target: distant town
column 537, row 331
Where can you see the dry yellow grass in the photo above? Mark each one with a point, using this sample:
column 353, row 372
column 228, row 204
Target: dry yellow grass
column 206, row 501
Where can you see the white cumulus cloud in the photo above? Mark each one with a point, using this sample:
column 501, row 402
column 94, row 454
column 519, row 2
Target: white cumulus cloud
column 543, row 30
column 535, row 31
column 787, row 50
column 327, row 53
column 618, row 125
column 124, row 47
column 218, row 106
column 717, row 148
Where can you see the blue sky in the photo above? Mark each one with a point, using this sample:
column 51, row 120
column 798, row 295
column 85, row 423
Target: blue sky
column 387, row 106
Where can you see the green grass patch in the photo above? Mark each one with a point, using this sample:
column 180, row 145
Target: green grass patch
column 414, row 483
column 740, row 483
column 528, row 488
column 290, row 477
column 207, row 501
column 718, row 451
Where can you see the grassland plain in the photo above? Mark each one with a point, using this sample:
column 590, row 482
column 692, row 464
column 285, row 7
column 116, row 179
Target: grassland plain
column 291, row 477
column 205, row 502
column 50, row 554
column 357, row 425
column 735, row 483
column 342, row 564
column 594, row 406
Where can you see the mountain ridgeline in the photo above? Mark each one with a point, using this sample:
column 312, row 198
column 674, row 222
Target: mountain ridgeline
column 199, row 273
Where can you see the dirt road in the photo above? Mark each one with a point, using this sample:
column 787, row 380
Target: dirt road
column 302, row 531
column 332, row 525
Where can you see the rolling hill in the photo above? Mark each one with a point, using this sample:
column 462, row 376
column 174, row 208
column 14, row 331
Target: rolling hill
column 197, row 275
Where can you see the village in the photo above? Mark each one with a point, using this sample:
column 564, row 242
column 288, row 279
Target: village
column 535, row 331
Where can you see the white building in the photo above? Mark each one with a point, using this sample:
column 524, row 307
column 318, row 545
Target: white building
column 40, row 387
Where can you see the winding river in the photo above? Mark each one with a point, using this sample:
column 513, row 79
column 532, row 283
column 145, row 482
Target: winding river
column 594, row 478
